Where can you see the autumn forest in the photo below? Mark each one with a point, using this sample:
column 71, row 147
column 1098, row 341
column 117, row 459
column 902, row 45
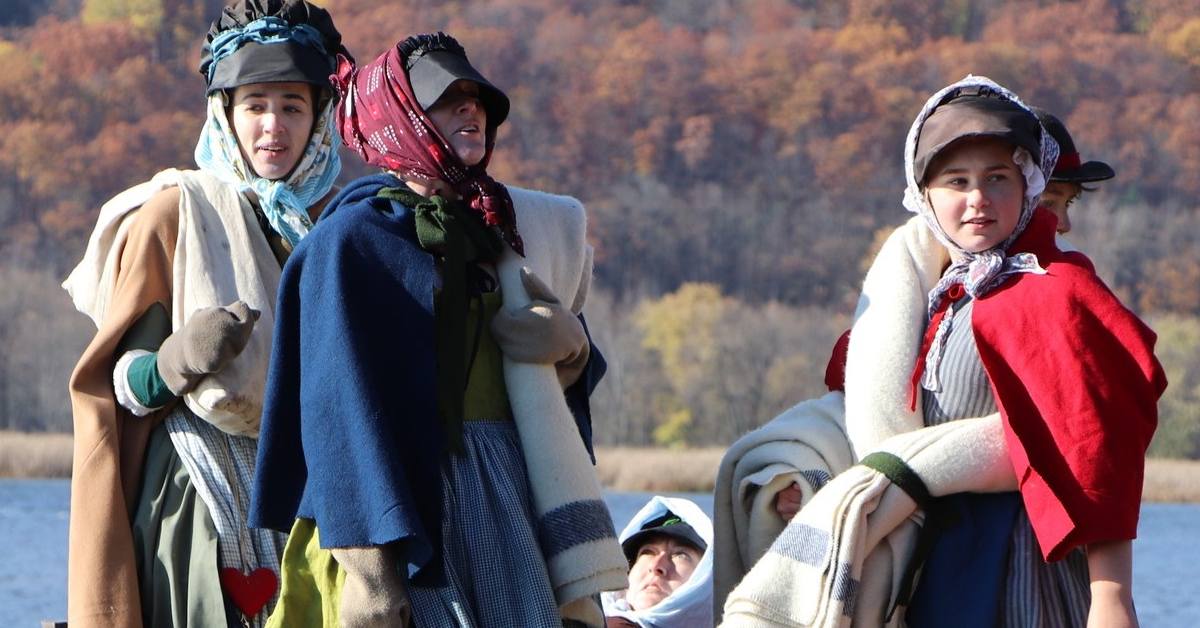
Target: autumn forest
column 740, row 160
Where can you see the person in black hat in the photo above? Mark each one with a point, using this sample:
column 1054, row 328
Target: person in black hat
column 455, row 375
column 1070, row 173
column 180, row 279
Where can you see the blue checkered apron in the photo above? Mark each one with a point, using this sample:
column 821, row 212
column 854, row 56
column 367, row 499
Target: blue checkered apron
column 495, row 573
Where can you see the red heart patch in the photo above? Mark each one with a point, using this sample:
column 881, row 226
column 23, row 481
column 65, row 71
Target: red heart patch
column 249, row 592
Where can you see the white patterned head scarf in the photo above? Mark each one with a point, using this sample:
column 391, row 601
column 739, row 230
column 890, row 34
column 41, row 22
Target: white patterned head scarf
column 979, row 272
column 284, row 202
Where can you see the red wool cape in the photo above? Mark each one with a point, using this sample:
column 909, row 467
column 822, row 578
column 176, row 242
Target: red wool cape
column 1076, row 380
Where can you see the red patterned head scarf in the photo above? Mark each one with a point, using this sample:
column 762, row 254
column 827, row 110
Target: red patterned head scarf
column 381, row 120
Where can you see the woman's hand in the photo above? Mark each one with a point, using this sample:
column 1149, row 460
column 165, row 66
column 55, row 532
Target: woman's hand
column 1111, row 608
column 374, row 594
column 787, row 502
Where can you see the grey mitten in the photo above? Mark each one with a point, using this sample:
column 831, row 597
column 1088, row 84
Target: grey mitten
column 542, row 332
column 206, row 343
column 569, row 370
column 373, row 595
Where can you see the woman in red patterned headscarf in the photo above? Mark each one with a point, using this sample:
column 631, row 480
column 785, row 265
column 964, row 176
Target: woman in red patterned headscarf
column 413, row 422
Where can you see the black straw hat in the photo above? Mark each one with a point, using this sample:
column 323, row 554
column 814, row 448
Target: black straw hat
column 975, row 112
column 1069, row 169
column 435, row 61
column 669, row 524
column 282, row 62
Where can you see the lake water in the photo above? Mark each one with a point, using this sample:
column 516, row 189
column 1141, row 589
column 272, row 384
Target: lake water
column 33, row 542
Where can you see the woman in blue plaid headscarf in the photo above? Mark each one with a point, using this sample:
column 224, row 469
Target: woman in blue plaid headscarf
column 180, row 278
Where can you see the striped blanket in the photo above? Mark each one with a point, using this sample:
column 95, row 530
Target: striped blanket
column 805, row 445
column 577, row 535
column 841, row 559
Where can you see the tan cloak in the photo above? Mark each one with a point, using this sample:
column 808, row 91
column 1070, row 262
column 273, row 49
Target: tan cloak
column 110, row 443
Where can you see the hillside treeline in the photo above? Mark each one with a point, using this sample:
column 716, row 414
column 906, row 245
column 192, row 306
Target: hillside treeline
column 739, row 160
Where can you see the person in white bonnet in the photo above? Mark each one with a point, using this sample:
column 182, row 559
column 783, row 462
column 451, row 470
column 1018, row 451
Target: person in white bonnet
column 668, row 545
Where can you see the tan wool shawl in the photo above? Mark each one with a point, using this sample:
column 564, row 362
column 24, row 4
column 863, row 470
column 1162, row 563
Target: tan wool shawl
column 110, row 443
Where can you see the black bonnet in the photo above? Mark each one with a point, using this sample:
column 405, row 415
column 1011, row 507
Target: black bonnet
column 253, row 62
column 435, row 61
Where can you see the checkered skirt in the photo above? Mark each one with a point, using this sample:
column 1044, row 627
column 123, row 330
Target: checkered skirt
column 495, row 572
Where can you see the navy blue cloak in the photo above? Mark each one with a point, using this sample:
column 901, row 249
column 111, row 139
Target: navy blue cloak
column 350, row 433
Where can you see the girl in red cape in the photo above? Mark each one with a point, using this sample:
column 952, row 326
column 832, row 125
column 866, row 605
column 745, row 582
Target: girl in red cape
column 999, row 400
column 1021, row 328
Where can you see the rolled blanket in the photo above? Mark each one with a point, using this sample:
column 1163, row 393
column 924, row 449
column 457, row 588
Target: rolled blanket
column 222, row 257
column 806, row 445
column 219, row 258
column 578, row 541
column 877, row 373
column 886, row 336
column 842, row 557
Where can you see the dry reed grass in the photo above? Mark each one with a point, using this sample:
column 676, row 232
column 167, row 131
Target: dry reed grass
column 1172, row 481
column 25, row 455
column 658, row 470
column 695, row 470
column 35, row 455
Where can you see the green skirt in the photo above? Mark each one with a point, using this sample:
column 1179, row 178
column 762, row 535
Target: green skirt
column 175, row 545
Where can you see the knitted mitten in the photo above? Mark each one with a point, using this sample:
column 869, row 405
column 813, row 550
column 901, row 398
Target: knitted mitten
column 543, row 332
column 208, row 342
column 373, row 595
column 569, row 370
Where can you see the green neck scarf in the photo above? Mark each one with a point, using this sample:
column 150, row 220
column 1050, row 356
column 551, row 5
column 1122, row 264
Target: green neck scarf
column 450, row 230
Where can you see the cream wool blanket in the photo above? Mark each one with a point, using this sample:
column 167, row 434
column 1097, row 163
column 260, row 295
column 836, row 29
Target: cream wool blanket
column 889, row 324
column 578, row 541
column 807, row 445
column 838, row 562
column 220, row 257
column 769, row 459
column 90, row 284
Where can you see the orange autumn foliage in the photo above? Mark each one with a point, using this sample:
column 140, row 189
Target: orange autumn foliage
column 754, row 144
